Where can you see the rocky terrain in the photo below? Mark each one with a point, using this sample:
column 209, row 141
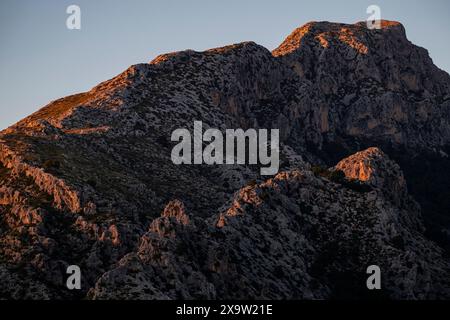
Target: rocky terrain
column 364, row 119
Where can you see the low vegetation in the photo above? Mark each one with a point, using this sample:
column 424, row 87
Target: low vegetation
column 338, row 176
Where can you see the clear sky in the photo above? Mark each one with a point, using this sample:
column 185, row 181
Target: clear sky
column 41, row 60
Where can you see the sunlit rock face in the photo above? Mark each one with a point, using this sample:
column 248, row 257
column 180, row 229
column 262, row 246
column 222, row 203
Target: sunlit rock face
column 88, row 180
column 371, row 83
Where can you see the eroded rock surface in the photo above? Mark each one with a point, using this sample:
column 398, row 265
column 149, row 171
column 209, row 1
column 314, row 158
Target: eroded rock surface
column 88, row 180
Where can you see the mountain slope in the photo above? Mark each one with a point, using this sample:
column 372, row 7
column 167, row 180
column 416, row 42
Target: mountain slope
column 296, row 236
column 84, row 180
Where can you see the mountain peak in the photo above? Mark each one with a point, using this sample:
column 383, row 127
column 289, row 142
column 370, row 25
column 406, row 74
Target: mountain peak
column 325, row 33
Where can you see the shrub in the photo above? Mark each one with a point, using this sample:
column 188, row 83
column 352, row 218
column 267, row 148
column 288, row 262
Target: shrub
column 357, row 186
column 319, row 171
column 92, row 182
column 51, row 164
column 337, row 176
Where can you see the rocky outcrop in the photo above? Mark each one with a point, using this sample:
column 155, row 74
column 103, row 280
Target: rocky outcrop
column 374, row 167
column 372, row 84
column 295, row 236
column 88, row 180
column 64, row 196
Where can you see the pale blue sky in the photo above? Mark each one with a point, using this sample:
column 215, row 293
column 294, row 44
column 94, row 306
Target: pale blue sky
column 41, row 60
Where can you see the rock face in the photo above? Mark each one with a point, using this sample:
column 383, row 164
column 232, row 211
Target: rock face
column 88, row 180
column 374, row 168
column 295, row 236
column 373, row 85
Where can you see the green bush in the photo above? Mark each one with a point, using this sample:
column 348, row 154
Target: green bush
column 357, row 186
column 51, row 164
column 319, row 171
column 337, row 176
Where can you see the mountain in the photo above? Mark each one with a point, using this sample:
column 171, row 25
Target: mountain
column 88, row 179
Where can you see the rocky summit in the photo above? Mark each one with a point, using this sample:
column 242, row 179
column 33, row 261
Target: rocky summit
column 364, row 120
